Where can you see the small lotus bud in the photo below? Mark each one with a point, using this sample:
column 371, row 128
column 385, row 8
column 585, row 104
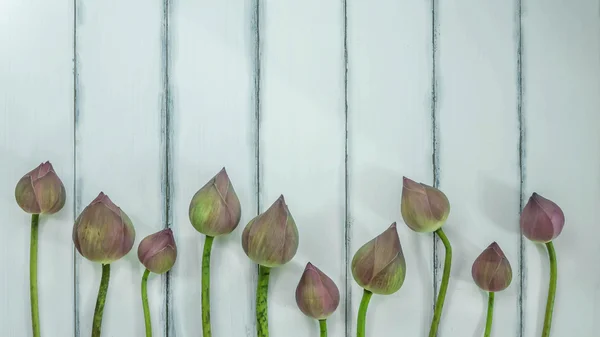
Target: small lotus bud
column 215, row 209
column 158, row 252
column 379, row 265
column 271, row 238
column 103, row 232
column 41, row 191
column 491, row 270
column 317, row 295
column 541, row 220
column 424, row 208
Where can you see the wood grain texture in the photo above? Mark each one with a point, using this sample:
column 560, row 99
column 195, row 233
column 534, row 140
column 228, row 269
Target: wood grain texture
column 561, row 71
column 119, row 92
column 36, row 125
column 302, row 147
column 390, row 136
column 213, row 127
column 477, row 104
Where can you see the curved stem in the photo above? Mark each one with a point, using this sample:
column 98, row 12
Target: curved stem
column 97, row 325
column 439, row 304
column 323, row 326
column 551, row 290
column 362, row 313
column 262, row 312
column 490, row 315
column 145, row 303
column 33, row 288
column 206, row 331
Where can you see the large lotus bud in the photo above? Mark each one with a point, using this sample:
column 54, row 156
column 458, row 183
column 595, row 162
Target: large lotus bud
column 541, row 220
column 158, row 252
column 491, row 270
column 271, row 238
column 379, row 265
column 103, row 232
column 41, row 191
column 215, row 209
column 317, row 295
column 424, row 208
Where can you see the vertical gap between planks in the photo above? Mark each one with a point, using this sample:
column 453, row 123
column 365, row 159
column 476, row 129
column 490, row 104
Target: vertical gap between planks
column 435, row 132
column 166, row 157
column 256, row 59
column 76, row 188
column 521, row 123
column 347, row 223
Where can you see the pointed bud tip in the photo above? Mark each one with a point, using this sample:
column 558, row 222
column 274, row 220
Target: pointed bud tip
column 393, row 225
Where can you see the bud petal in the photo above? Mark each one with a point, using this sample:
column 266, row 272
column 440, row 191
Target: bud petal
column 271, row 238
column 491, row 270
column 379, row 265
column 541, row 220
column 158, row 252
column 41, row 191
column 103, row 232
column 215, row 209
column 317, row 295
column 424, row 208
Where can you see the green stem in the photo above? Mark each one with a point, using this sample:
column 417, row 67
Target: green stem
column 262, row 312
column 551, row 290
column 323, row 326
column 145, row 303
column 490, row 315
column 33, row 288
column 362, row 313
column 439, row 304
column 206, row 331
column 97, row 325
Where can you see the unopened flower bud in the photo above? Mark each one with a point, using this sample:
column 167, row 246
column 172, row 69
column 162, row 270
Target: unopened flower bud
column 491, row 270
column 215, row 209
column 271, row 238
column 103, row 232
column 317, row 295
column 379, row 265
column 541, row 220
column 41, row 191
column 158, row 252
column 424, row 208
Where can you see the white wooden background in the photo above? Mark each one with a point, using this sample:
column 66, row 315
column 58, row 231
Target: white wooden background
column 328, row 102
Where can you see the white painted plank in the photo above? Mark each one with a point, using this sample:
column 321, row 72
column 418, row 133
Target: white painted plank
column 118, row 147
column 302, row 146
column 479, row 156
column 561, row 71
column 390, row 136
column 36, row 124
column 213, row 125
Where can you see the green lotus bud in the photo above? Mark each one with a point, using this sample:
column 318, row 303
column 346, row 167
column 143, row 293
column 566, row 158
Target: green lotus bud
column 271, row 238
column 215, row 209
column 379, row 265
column 491, row 270
column 542, row 220
column 41, row 191
column 317, row 295
column 158, row 252
column 424, row 208
column 103, row 232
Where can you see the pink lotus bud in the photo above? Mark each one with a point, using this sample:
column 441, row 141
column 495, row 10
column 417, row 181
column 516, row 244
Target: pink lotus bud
column 158, row 252
column 317, row 295
column 271, row 238
column 491, row 270
column 41, row 191
column 424, row 208
column 215, row 209
column 103, row 232
column 541, row 220
column 379, row 265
